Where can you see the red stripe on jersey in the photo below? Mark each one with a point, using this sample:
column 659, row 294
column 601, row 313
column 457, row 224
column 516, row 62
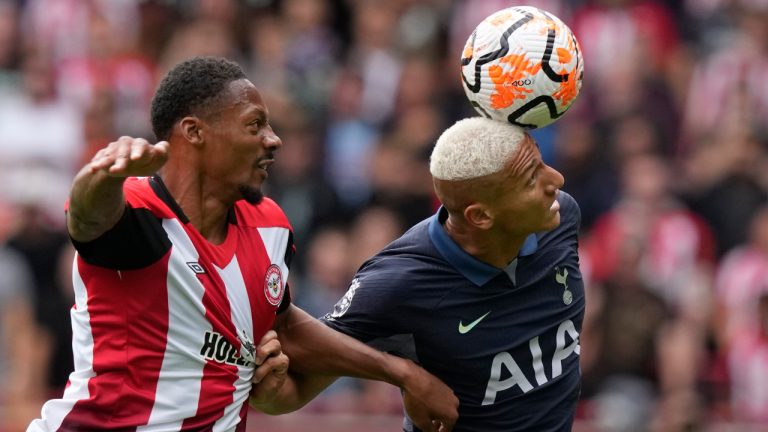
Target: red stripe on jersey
column 214, row 397
column 127, row 352
column 243, row 414
column 255, row 252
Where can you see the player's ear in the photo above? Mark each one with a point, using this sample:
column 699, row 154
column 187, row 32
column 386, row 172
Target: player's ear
column 191, row 130
column 479, row 216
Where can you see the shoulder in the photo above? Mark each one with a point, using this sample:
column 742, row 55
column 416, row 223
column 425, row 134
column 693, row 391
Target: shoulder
column 386, row 285
column 140, row 195
column 406, row 271
column 567, row 203
column 405, row 262
column 567, row 232
column 137, row 189
column 264, row 214
column 386, row 268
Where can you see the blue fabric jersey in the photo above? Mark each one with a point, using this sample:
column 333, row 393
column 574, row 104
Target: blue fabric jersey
column 506, row 341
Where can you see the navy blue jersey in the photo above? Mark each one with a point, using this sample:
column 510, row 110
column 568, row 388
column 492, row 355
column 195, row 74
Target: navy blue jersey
column 505, row 340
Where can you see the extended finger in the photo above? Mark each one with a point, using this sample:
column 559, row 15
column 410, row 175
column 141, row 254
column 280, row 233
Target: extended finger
column 104, row 158
column 140, row 149
column 160, row 150
column 121, row 162
column 101, row 161
column 120, row 152
column 150, row 157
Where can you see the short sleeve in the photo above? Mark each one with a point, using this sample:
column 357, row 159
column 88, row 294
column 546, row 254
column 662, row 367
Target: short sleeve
column 367, row 310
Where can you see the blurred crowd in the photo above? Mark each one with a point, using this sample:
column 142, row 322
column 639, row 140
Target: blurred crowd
column 666, row 150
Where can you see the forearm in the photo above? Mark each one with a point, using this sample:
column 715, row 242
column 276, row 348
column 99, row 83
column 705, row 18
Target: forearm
column 319, row 353
column 315, row 349
column 296, row 392
column 96, row 203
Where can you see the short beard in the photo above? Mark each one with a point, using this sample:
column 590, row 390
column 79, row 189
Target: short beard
column 250, row 194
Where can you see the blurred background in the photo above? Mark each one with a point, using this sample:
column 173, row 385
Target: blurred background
column 666, row 150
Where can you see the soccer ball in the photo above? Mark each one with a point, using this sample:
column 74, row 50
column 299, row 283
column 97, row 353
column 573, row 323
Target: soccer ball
column 522, row 65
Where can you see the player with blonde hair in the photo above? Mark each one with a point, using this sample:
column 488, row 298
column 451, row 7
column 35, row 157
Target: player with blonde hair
column 487, row 293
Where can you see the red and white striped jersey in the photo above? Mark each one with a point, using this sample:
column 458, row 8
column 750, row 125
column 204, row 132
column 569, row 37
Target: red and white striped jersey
column 165, row 323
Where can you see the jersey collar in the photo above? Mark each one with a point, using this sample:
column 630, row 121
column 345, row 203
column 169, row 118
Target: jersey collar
column 473, row 269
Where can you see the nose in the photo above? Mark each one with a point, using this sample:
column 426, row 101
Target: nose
column 271, row 140
column 556, row 180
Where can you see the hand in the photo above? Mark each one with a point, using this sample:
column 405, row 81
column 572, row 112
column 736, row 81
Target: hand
column 129, row 157
column 429, row 402
column 271, row 371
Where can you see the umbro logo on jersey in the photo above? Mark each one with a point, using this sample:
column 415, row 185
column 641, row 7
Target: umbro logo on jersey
column 196, row 267
column 562, row 279
column 463, row 329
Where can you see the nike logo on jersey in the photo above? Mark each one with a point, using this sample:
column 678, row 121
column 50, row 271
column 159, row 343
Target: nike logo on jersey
column 466, row 328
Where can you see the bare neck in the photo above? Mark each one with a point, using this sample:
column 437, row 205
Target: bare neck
column 486, row 245
column 205, row 208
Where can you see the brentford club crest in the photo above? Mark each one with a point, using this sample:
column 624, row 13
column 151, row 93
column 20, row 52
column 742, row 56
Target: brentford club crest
column 273, row 285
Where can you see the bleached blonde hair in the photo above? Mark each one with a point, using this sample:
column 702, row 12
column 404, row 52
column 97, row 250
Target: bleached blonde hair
column 474, row 147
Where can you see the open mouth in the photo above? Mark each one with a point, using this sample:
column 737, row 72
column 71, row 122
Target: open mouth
column 265, row 163
column 554, row 207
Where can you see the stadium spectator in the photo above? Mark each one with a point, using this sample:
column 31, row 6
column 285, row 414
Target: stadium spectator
column 652, row 249
column 47, row 252
column 748, row 366
column 23, row 347
column 740, row 279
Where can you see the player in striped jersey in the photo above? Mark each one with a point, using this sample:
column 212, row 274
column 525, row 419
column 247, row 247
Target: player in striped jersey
column 181, row 274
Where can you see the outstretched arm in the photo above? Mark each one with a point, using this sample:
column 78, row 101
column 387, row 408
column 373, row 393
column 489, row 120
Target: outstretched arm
column 319, row 354
column 96, row 201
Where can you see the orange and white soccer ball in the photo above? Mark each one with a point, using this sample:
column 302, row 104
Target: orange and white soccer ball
column 522, row 65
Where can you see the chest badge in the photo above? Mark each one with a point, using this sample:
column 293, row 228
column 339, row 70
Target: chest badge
column 273, row 285
column 562, row 279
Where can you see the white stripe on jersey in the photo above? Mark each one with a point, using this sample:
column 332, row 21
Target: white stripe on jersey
column 240, row 306
column 275, row 241
column 55, row 410
column 178, row 387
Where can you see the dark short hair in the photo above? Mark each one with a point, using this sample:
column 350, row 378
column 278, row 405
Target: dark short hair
column 187, row 88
